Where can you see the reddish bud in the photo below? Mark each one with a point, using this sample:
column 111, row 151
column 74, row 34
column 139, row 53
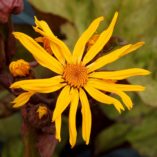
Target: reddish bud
column 8, row 7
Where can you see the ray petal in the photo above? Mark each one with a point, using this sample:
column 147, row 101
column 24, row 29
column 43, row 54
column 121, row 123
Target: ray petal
column 99, row 84
column 113, row 56
column 120, row 74
column 40, row 85
column 57, row 52
column 72, row 117
column 43, row 29
column 81, row 43
column 124, row 87
column 102, row 40
column 129, row 88
column 22, row 99
column 133, row 48
column 43, row 25
column 103, row 98
column 86, row 116
column 42, row 57
column 58, row 122
column 106, row 59
column 63, row 101
column 39, row 39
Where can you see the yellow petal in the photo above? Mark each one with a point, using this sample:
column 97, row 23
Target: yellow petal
column 99, row 84
column 35, row 82
column 58, row 122
column 102, row 40
column 133, row 48
column 63, row 101
column 43, row 25
column 57, row 52
column 40, row 85
column 39, row 39
column 45, row 31
column 106, row 59
column 42, row 57
column 22, row 99
column 113, row 56
column 72, row 116
column 103, row 98
column 86, row 116
column 81, row 43
column 120, row 74
column 129, row 88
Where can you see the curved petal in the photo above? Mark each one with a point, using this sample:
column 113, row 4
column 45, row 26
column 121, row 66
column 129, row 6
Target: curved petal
column 81, row 43
column 42, row 57
column 40, row 85
column 63, row 101
column 52, row 48
column 86, row 116
column 103, row 98
column 102, row 40
column 106, row 59
column 129, row 88
column 39, row 39
column 120, row 74
column 22, row 99
column 72, row 116
column 57, row 52
column 43, row 29
column 113, row 56
column 58, row 122
column 99, row 84
column 43, row 25
column 133, row 48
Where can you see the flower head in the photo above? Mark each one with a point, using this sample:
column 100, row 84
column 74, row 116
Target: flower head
column 77, row 74
column 19, row 68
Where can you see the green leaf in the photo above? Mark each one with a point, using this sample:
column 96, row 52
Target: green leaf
column 149, row 95
column 143, row 135
column 3, row 93
column 13, row 148
column 10, row 127
column 71, row 33
column 76, row 11
column 111, row 137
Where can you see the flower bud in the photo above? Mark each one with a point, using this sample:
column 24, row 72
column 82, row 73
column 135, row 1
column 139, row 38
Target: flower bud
column 92, row 40
column 39, row 116
column 46, row 43
column 42, row 111
column 8, row 7
column 19, row 68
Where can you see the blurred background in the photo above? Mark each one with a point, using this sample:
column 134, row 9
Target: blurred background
column 130, row 134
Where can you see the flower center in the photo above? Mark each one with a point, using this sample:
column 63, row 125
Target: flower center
column 75, row 75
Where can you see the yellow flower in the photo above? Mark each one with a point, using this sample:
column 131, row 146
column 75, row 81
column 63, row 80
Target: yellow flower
column 77, row 75
column 19, row 68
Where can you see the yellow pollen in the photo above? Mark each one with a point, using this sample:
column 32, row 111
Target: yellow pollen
column 75, row 75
